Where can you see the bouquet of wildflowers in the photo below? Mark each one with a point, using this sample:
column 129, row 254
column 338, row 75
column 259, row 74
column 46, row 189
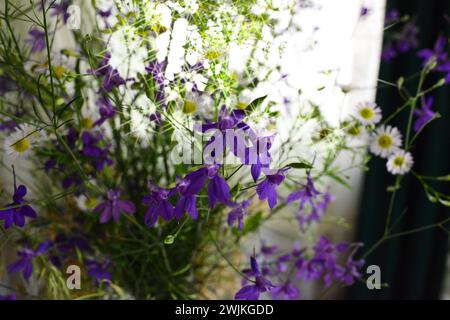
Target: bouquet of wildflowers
column 141, row 144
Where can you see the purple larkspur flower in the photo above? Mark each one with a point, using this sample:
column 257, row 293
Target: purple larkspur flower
column 191, row 185
column 111, row 77
column 310, row 195
column 324, row 264
column 253, row 291
column 439, row 53
column 15, row 212
column 99, row 271
column 8, row 297
column 26, row 257
column 286, row 291
column 238, row 213
column 36, row 40
column 106, row 110
column 61, row 9
column 112, row 207
column 227, row 120
column 267, row 189
column 218, row 190
column 158, row 205
column 259, row 156
column 91, row 148
column 391, row 16
column 424, row 114
column 307, row 194
column 187, row 189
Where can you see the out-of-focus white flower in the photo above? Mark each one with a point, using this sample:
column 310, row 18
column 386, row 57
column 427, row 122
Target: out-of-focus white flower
column 400, row 162
column 128, row 52
column 175, row 58
column 385, row 141
column 140, row 122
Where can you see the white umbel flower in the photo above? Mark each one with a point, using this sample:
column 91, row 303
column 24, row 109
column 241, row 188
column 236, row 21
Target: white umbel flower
column 20, row 143
column 385, row 141
column 400, row 162
column 367, row 113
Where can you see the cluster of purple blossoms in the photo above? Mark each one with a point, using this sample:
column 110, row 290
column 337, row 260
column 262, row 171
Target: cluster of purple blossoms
column 187, row 190
column 440, row 55
column 399, row 42
column 321, row 264
column 26, row 257
column 92, row 148
column 113, row 206
column 15, row 212
column 309, row 195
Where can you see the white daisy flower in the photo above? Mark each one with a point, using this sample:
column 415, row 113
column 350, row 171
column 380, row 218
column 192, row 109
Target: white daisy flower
column 367, row 113
column 400, row 162
column 385, row 141
column 20, row 143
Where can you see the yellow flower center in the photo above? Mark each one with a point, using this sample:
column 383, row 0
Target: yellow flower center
column 366, row 113
column 213, row 54
column 189, row 106
column 22, row 145
column 399, row 161
column 90, row 203
column 385, row 141
column 87, row 123
column 59, row 71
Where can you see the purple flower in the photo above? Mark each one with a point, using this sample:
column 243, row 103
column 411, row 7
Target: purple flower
column 112, row 207
column 61, row 9
column 106, row 110
column 91, row 149
column 309, row 194
column 158, row 205
column 424, row 115
column 16, row 212
column 188, row 188
column 8, row 297
column 227, row 120
column 286, row 292
column 268, row 188
column 218, row 190
column 440, row 54
column 261, row 285
column 99, row 271
column 391, row 16
column 26, row 256
column 191, row 185
column 238, row 213
column 111, row 77
column 37, row 40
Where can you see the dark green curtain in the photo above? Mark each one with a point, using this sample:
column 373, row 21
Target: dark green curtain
column 413, row 265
